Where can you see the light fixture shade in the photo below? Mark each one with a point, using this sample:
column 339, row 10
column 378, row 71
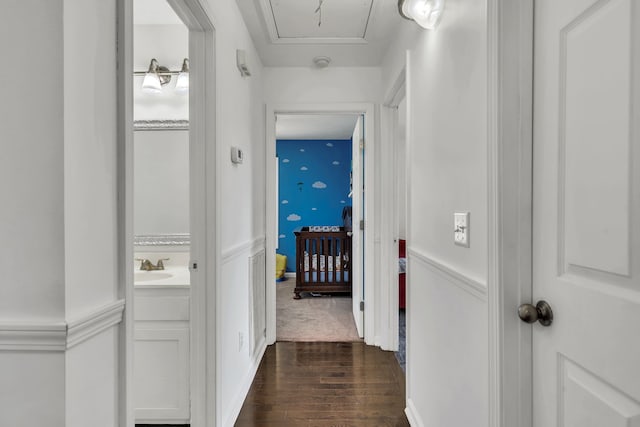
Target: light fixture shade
column 151, row 82
column 426, row 13
column 182, row 82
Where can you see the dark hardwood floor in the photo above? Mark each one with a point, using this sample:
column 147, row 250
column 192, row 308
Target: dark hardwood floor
column 325, row 384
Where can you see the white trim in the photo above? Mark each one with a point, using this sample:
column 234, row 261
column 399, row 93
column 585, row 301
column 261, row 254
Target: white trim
column 250, row 245
column 413, row 416
column 369, row 110
column 198, row 18
column 466, row 283
column 178, row 239
column 268, row 19
column 59, row 336
column 238, row 401
column 147, row 125
column 389, row 281
column 94, row 323
column 33, row 336
column 290, row 274
column 509, row 198
column 125, row 407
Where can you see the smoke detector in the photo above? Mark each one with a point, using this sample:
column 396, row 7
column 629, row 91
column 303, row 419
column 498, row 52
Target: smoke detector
column 321, row 61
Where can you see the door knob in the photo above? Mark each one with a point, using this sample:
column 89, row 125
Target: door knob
column 541, row 312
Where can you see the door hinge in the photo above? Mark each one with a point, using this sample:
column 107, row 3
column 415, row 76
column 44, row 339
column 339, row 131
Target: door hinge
column 361, row 305
column 193, row 265
column 362, row 144
column 264, row 332
column 362, row 224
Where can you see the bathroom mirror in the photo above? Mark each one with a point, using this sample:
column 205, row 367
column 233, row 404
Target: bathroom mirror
column 161, row 183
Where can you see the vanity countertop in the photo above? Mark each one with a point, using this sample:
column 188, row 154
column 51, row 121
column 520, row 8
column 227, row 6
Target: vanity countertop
column 171, row 276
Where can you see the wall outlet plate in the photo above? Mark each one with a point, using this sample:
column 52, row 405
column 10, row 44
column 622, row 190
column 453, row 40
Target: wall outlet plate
column 461, row 229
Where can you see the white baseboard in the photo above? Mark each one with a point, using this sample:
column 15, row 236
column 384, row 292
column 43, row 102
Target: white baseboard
column 290, row 275
column 236, row 406
column 412, row 414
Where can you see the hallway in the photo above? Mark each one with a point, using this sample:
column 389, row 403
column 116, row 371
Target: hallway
column 318, row 384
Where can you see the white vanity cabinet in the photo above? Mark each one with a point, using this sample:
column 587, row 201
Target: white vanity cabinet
column 161, row 354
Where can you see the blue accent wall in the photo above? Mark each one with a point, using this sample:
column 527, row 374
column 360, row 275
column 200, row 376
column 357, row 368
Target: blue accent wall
column 313, row 187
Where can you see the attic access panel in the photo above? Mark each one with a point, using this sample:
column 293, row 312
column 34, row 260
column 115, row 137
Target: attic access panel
column 341, row 19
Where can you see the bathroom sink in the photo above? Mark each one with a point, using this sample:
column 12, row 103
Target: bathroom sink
column 148, row 276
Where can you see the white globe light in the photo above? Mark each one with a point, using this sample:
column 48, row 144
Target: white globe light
column 426, row 13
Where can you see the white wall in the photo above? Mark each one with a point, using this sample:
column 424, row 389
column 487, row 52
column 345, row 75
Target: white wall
column 31, row 164
column 240, row 122
column 32, row 214
column 90, row 185
column 58, row 174
column 290, row 85
column 447, row 146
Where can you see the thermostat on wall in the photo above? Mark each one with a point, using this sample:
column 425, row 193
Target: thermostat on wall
column 237, row 155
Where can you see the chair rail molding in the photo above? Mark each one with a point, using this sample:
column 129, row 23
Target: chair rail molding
column 468, row 284
column 92, row 324
column 59, row 336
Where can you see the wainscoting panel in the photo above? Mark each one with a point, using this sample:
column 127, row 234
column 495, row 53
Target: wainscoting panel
column 257, row 309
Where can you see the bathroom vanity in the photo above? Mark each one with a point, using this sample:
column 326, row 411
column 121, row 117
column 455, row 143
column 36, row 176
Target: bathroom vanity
column 161, row 355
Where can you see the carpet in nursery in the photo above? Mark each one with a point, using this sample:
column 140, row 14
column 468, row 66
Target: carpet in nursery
column 313, row 318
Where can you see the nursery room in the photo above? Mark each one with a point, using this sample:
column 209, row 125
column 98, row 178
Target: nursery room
column 314, row 253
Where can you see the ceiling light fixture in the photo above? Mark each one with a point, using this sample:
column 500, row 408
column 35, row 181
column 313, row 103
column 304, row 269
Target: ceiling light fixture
column 426, row 13
column 321, row 61
column 158, row 76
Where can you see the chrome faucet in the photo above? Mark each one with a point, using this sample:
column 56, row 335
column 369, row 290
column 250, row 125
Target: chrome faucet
column 146, row 265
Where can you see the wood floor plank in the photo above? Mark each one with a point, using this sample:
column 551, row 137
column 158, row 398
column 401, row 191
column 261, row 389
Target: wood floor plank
column 325, row 384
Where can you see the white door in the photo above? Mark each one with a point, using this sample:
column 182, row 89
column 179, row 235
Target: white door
column 357, row 240
column 586, row 198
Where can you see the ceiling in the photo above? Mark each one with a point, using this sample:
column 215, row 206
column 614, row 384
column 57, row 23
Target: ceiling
column 315, row 126
column 154, row 12
column 351, row 32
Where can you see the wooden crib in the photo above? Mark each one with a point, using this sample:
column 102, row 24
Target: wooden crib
column 323, row 261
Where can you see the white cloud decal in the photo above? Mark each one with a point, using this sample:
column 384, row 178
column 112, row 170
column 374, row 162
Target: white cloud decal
column 335, row 162
column 304, row 168
column 285, row 160
column 282, row 236
column 342, row 201
column 302, row 150
column 329, row 144
column 285, row 202
column 319, row 185
column 294, row 217
column 314, row 209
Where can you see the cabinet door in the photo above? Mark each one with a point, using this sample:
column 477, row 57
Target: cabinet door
column 162, row 375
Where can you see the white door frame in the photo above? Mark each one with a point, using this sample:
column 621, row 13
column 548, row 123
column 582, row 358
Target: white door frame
column 509, row 166
column 509, row 197
column 368, row 110
column 204, row 247
column 389, row 283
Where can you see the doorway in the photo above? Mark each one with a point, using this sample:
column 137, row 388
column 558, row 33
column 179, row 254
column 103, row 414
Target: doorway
column 315, row 204
column 189, row 360
column 363, row 281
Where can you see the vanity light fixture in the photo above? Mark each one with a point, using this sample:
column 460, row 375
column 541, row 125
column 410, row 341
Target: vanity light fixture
column 426, row 13
column 182, row 82
column 158, row 76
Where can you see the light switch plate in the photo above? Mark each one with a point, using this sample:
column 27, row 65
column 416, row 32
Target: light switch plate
column 461, row 229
